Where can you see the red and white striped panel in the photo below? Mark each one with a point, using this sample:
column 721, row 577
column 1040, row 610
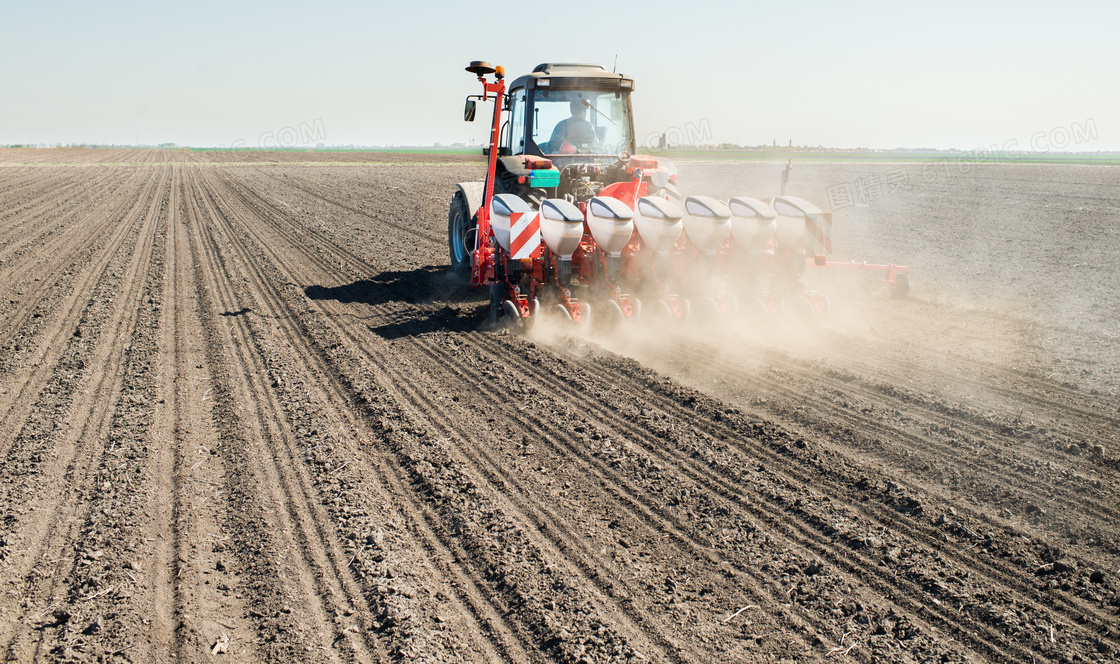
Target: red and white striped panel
column 524, row 234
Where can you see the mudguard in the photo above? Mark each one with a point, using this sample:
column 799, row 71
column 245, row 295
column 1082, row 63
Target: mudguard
column 473, row 192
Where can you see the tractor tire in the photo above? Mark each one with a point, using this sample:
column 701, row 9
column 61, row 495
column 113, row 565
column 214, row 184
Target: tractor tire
column 461, row 226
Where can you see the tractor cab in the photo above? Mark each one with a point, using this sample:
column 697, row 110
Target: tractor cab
column 570, row 114
column 567, row 132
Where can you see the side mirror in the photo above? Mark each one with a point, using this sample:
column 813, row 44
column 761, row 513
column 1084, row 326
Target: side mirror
column 468, row 111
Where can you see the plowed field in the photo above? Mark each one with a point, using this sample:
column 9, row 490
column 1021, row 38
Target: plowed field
column 246, row 415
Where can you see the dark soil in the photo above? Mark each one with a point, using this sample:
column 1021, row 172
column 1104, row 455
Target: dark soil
column 246, row 413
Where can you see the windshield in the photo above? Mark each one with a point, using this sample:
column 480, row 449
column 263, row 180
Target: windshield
column 590, row 122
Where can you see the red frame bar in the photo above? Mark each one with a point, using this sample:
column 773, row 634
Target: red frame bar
column 891, row 269
column 478, row 255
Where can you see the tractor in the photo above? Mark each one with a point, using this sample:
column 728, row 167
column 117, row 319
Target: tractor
column 569, row 218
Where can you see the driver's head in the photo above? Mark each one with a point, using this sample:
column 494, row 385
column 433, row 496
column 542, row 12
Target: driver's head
column 578, row 108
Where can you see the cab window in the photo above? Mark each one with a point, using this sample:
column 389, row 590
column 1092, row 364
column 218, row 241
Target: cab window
column 517, row 121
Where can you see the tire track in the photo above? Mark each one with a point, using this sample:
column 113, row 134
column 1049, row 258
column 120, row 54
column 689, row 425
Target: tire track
column 58, row 325
column 456, row 477
column 1076, row 610
column 920, row 594
column 47, row 451
column 72, row 246
column 949, row 432
column 252, row 463
column 387, row 606
column 25, row 236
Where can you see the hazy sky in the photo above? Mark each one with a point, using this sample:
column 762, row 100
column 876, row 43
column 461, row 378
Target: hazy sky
column 871, row 74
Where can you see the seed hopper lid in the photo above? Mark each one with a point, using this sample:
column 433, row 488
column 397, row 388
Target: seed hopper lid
column 745, row 206
column 606, row 207
column 704, row 206
column 559, row 209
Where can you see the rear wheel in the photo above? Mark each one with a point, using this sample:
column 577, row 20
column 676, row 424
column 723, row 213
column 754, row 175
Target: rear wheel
column 461, row 228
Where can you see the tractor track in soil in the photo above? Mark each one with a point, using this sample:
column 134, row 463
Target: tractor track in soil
column 1020, row 653
column 399, row 381
column 45, row 551
column 993, row 650
column 885, row 518
column 88, row 231
column 713, row 483
column 26, row 245
column 49, row 198
column 64, row 294
column 855, row 407
column 279, row 434
column 340, row 406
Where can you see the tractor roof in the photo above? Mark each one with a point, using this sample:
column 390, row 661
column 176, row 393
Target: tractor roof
column 569, row 75
column 560, row 68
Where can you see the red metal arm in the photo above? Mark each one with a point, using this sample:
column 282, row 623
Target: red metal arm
column 482, row 235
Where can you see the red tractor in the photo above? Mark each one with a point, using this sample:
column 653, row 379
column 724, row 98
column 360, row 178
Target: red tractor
column 569, row 218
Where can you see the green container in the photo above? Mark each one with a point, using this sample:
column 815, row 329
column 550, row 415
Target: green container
column 544, row 179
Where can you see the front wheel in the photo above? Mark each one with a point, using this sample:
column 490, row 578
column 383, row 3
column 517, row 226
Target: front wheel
column 461, row 227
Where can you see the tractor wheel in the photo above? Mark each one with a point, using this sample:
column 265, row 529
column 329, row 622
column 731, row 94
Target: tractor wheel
column 460, row 236
column 901, row 286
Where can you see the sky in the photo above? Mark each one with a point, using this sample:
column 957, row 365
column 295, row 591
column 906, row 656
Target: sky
column 962, row 75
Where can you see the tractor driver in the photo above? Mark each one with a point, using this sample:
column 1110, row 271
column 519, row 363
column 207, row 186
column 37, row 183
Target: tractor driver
column 576, row 130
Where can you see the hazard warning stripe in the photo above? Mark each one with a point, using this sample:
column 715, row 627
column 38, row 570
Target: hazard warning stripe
column 525, row 234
